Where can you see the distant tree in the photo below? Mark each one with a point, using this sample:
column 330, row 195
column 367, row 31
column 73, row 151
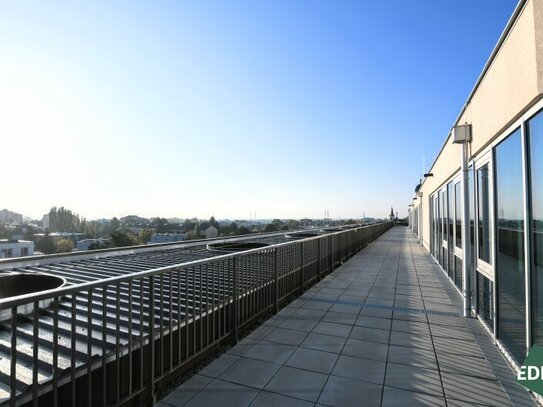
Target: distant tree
column 144, row 236
column 213, row 222
column 270, row 227
column 242, row 230
column 45, row 244
column 64, row 220
column 93, row 229
column 161, row 225
column 29, row 233
column 293, row 224
column 187, row 226
column 278, row 223
column 228, row 230
column 64, row 245
column 193, row 235
column 120, row 239
column 3, row 231
column 114, row 224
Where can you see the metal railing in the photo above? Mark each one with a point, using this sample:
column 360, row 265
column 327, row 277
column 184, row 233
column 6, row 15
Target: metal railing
column 117, row 340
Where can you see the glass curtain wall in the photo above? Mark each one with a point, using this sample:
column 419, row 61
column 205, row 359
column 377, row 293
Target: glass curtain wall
column 450, row 236
column 443, row 249
column 471, row 266
column 483, row 204
column 510, row 271
column 458, row 233
column 535, row 134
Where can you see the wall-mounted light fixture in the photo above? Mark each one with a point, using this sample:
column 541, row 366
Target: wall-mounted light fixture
column 428, row 174
column 461, row 134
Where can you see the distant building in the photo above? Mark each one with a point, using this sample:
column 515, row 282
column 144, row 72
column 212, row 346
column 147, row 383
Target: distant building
column 7, row 217
column 392, row 216
column 45, row 221
column 91, row 244
column 166, row 237
column 15, row 248
column 211, row 232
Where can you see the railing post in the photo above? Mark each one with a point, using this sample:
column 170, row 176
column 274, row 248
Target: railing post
column 276, row 278
column 302, row 267
column 319, row 262
column 234, row 322
column 331, row 254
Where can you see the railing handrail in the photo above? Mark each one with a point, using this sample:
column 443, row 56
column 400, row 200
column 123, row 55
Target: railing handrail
column 91, row 285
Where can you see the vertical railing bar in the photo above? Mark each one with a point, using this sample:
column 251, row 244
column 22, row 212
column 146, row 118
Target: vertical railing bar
column 253, row 282
column 13, row 358
column 251, row 292
column 72, row 348
column 161, row 326
column 243, row 287
column 224, row 296
column 201, row 293
column 194, row 311
column 207, row 302
column 142, row 367
column 104, row 347
column 35, row 349
column 89, row 347
column 302, row 267
column 187, row 312
column 117, row 343
column 151, row 315
column 235, row 301
column 170, row 291
column 276, row 279
column 130, row 345
column 179, row 344
column 213, row 299
column 55, row 351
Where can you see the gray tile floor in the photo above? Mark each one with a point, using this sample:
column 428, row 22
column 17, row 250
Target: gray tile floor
column 384, row 329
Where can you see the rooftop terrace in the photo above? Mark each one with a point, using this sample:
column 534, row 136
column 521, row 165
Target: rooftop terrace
column 130, row 321
column 384, row 329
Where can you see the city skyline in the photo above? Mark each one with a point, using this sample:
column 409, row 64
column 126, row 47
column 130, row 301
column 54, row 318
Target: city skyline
column 212, row 109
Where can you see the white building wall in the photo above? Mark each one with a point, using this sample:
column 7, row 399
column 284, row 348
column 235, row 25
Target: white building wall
column 17, row 249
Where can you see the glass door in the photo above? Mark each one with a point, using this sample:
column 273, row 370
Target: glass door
column 483, row 243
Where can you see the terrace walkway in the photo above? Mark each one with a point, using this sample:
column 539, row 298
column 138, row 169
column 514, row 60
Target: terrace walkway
column 384, row 329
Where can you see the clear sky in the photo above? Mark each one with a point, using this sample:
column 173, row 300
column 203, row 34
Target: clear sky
column 283, row 108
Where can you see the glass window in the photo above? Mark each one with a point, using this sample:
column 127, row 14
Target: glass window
column 450, row 221
column 471, row 267
column 458, row 212
column 535, row 132
column 443, row 228
column 483, row 202
column 510, row 256
column 484, row 300
column 458, row 272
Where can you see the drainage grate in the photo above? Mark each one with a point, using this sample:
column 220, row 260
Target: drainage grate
column 514, row 391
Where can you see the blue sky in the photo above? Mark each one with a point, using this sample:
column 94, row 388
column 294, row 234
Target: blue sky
column 283, row 108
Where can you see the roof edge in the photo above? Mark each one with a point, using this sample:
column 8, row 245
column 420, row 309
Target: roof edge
column 512, row 20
